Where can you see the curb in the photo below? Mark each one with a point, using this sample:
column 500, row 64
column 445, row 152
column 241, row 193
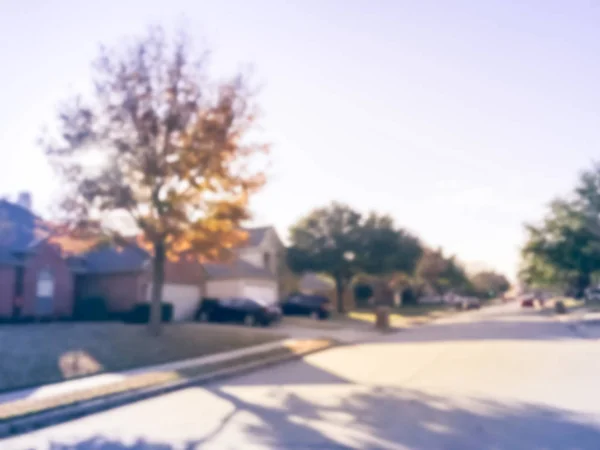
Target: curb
column 85, row 408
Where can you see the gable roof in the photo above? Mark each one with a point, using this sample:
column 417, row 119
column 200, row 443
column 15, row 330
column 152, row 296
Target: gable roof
column 255, row 236
column 311, row 281
column 112, row 259
column 236, row 269
column 20, row 229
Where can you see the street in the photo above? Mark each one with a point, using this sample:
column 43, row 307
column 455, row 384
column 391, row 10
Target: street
column 501, row 378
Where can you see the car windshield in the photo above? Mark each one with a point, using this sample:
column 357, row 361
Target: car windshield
column 261, row 302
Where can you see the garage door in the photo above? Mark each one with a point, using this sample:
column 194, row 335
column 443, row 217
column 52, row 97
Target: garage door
column 263, row 292
column 184, row 298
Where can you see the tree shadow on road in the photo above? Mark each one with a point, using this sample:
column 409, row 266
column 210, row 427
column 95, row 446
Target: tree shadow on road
column 491, row 330
column 377, row 418
column 387, row 417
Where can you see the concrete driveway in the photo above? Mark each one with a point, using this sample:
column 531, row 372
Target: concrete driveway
column 500, row 379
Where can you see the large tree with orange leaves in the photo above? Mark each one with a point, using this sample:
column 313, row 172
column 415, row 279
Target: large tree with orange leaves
column 162, row 145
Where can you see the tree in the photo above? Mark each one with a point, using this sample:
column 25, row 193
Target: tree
column 163, row 145
column 327, row 241
column 489, row 283
column 385, row 248
column 341, row 242
column 440, row 273
column 565, row 247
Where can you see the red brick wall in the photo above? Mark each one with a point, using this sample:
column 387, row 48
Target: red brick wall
column 48, row 257
column 7, row 288
column 121, row 291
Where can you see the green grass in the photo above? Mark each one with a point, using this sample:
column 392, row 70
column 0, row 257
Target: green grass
column 36, row 354
column 404, row 315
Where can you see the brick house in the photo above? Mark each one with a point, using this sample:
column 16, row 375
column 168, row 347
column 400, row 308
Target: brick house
column 43, row 274
column 35, row 280
column 122, row 275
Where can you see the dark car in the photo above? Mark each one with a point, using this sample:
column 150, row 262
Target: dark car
column 315, row 306
column 248, row 311
column 472, row 303
column 528, row 302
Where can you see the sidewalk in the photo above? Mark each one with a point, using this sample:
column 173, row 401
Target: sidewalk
column 34, row 408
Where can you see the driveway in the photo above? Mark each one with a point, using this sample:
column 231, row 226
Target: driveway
column 500, row 379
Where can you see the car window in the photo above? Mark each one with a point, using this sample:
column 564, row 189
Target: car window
column 231, row 302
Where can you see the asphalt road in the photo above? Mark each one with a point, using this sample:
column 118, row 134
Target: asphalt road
column 500, row 379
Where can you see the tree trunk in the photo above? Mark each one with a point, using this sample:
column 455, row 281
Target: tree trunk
column 583, row 282
column 339, row 289
column 158, row 278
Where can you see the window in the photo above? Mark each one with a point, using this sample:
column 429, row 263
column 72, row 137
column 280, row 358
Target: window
column 267, row 261
column 19, row 280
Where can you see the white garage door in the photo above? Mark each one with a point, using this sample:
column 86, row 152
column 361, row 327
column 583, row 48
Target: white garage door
column 262, row 292
column 185, row 299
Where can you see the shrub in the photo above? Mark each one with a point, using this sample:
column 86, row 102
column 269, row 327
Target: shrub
column 91, row 308
column 140, row 313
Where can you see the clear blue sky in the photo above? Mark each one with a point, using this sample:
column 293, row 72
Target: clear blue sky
column 460, row 118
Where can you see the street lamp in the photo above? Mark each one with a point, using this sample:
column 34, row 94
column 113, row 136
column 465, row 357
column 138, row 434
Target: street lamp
column 349, row 256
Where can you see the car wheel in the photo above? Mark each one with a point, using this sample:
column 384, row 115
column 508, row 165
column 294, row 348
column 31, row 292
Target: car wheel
column 249, row 320
column 314, row 315
column 204, row 317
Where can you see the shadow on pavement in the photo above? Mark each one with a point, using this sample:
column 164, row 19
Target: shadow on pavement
column 485, row 330
column 383, row 418
column 306, row 374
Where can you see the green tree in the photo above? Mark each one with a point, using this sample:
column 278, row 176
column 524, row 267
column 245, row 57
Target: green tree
column 342, row 243
column 441, row 273
column 564, row 249
column 163, row 145
column 489, row 283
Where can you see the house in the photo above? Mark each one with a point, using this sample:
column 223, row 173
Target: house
column 254, row 271
column 35, row 280
column 122, row 275
column 43, row 273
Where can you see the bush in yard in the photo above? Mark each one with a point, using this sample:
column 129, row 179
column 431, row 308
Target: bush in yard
column 140, row 313
column 91, row 308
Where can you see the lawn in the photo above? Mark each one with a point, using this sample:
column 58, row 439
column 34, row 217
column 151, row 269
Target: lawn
column 36, row 354
column 405, row 315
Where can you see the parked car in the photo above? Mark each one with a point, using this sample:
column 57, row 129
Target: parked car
column 592, row 295
column 317, row 307
column 465, row 303
column 472, row 303
column 248, row 311
column 528, row 301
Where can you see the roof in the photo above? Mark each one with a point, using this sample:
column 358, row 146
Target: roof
column 236, row 269
column 111, row 259
column 312, row 282
column 255, row 236
column 20, row 229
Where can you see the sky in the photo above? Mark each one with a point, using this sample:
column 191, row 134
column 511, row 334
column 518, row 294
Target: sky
column 461, row 119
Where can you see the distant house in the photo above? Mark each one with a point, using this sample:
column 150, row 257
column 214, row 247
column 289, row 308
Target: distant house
column 254, row 271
